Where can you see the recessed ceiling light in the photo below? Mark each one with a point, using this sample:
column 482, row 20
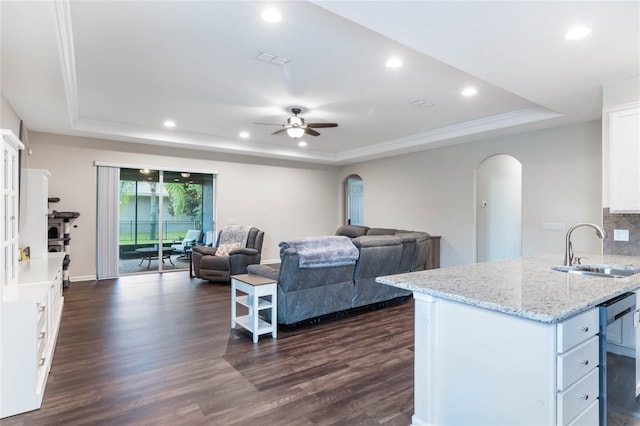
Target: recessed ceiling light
column 244, row 134
column 271, row 15
column 169, row 124
column 302, row 144
column 469, row 91
column 577, row 32
column 393, row 63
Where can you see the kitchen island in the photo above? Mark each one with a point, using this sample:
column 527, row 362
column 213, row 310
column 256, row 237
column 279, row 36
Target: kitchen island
column 509, row 342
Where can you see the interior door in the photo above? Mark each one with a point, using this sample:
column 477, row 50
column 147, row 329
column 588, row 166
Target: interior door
column 355, row 189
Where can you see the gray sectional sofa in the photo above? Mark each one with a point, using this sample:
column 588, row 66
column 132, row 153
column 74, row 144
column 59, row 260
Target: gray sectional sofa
column 308, row 293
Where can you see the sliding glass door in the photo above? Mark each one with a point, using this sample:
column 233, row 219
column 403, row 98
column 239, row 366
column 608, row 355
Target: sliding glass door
column 158, row 209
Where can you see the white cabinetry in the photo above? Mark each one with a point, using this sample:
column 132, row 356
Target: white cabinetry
column 469, row 359
column 34, row 214
column 29, row 330
column 30, row 297
column 624, row 158
column 9, row 217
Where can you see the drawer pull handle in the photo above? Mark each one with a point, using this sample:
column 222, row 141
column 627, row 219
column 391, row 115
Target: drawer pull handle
column 42, row 333
column 584, row 396
column 585, row 329
column 584, row 362
column 41, row 308
column 41, row 363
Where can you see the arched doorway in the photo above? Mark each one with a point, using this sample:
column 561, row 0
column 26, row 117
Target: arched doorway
column 353, row 200
column 499, row 208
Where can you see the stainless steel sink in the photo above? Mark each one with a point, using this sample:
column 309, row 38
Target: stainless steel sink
column 611, row 271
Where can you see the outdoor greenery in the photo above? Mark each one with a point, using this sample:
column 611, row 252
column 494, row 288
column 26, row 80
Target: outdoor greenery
column 183, row 200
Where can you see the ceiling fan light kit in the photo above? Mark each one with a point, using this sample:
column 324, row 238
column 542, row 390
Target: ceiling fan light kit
column 296, row 127
column 295, row 132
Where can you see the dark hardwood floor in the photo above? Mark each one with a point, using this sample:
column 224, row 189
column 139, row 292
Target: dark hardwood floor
column 159, row 350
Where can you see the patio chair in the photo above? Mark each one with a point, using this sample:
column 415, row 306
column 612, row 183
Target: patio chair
column 184, row 247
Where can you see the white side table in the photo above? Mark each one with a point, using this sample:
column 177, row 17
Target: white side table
column 255, row 289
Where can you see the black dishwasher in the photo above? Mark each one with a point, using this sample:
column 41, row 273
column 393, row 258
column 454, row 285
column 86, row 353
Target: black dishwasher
column 622, row 395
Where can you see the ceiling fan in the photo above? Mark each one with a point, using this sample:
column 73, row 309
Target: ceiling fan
column 296, row 127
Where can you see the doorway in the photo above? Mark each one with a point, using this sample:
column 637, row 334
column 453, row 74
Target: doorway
column 157, row 210
column 499, row 208
column 354, row 191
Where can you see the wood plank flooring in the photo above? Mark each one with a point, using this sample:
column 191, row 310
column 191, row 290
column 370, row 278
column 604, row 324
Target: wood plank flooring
column 158, row 350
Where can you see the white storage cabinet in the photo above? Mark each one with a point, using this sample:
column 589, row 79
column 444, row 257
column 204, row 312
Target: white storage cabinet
column 538, row 373
column 624, row 158
column 29, row 330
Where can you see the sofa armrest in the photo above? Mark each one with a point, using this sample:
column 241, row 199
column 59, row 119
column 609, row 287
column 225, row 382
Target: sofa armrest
column 205, row 251
column 264, row 271
column 245, row 251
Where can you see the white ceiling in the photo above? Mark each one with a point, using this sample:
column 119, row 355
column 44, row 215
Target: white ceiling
column 117, row 70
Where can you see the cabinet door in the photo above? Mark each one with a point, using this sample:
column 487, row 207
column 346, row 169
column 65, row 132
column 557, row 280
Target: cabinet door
column 624, row 161
column 636, row 323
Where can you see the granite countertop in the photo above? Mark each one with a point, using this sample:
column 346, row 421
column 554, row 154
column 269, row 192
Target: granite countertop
column 526, row 287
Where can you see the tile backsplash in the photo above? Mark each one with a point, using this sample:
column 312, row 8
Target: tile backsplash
column 630, row 222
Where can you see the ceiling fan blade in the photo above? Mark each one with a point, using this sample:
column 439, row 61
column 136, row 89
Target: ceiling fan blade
column 279, row 131
column 320, row 125
column 311, row 132
column 269, row 124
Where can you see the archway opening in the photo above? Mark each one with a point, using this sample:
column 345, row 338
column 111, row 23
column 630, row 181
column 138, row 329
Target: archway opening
column 353, row 189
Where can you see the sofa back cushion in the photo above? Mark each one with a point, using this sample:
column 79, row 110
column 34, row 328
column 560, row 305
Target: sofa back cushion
column 294, row 278
column 379, row 255
column 381, row 231
column 352, row 231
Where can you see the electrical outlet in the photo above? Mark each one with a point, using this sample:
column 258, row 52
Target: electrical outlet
column 620, row 235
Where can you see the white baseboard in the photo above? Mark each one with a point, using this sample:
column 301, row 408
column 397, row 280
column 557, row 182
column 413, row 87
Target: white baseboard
column 82, row 278
column 270, row 261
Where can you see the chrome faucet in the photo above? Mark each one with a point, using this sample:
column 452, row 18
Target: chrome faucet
column 568, row 247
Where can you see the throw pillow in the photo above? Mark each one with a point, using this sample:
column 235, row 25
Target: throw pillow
column 224, row 249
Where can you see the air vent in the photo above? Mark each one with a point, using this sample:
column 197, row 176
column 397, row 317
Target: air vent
column 272, row 59
column 421, row 103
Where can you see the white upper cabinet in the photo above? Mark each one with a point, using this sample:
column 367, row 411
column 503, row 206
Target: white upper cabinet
column 11, row 146
column 624, row 159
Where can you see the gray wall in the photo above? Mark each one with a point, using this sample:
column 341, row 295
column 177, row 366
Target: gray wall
column 287, row 200
column 434, row 190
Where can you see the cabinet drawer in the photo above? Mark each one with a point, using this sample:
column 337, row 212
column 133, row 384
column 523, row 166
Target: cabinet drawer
column 589, row 417
column 577, row 398
column 577, row 362
column 42, row 316
column 577, row 329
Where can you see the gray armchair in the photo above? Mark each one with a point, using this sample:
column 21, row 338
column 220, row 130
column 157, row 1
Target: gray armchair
column 210, row 265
